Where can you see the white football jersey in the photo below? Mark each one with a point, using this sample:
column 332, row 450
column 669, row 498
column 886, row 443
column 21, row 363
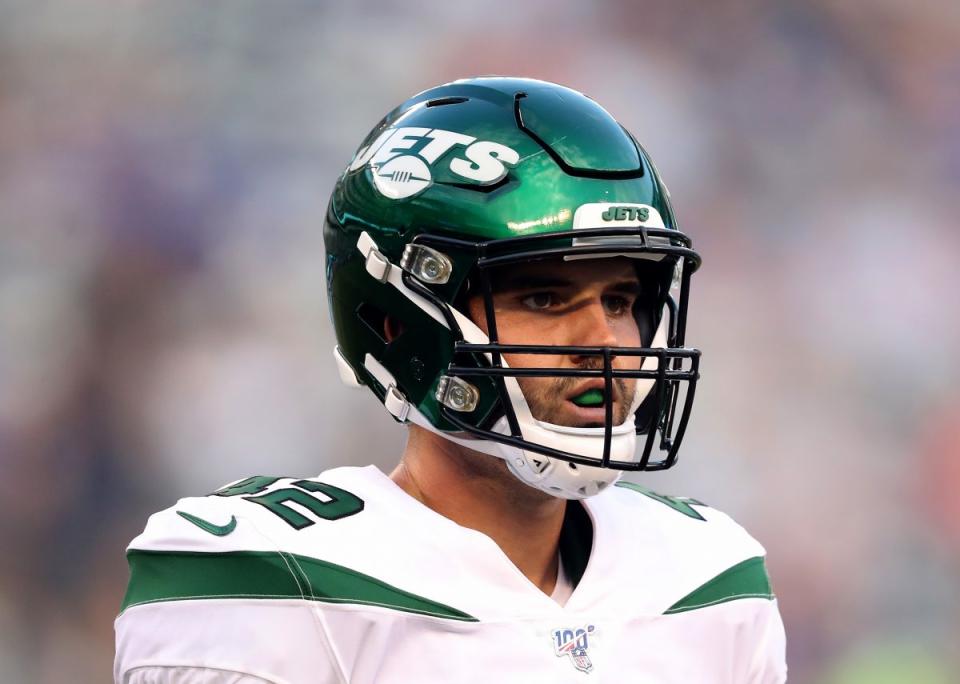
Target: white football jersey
column 346, row 578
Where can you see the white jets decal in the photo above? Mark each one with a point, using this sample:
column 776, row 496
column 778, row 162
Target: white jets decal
column 616, row 215
column 399, row 173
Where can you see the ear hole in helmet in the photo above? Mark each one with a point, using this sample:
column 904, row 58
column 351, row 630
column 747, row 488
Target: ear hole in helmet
column 392, row 328
column 373, row 319
column 386, row 328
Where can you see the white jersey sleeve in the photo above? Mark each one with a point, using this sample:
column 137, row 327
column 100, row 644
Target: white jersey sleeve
column 240, row 614
column 769, row 664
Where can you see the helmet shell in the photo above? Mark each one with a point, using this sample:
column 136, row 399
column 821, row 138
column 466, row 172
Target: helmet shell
column 479, row 160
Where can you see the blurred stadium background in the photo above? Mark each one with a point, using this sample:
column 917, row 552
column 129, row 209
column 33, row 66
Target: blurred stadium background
column 164, row 171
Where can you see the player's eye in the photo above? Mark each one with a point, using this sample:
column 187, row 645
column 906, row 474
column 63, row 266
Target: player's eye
column 539, row 301
column 617, row 305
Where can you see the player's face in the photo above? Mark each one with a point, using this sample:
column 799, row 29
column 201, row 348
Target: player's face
column 568, row 303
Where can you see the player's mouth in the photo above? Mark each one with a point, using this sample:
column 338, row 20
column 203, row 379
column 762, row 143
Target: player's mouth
column 587, row 408
column 590, row 404
column 591, row 398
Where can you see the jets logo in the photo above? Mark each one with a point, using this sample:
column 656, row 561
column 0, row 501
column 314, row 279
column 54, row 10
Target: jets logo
column 400, row 159
column 402, row 176
column 597, row 214
column 629, row 213
column 574, row 643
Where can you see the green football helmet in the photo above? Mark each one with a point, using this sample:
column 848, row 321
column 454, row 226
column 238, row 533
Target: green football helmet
column 467, row 179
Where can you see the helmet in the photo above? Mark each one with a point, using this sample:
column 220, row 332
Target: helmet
column 486, row 173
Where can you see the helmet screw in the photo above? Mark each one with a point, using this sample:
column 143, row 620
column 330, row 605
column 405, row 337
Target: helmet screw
column 458, row 397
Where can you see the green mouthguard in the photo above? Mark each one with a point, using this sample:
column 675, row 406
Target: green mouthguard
column 592, row 397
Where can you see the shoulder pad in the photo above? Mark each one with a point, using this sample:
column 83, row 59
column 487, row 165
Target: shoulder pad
column 254, row 514
column 680, row 504
column 682, row 516
column 700, row 554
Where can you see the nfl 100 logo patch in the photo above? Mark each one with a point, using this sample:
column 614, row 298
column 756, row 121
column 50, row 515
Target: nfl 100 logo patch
column 574, row 643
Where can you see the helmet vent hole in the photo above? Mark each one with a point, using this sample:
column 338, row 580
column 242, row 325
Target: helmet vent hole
column 480, row 188
column 573, row 466
column 440, row 101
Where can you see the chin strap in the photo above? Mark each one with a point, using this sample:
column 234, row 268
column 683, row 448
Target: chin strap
column 393, row 400
column 404, row 411
column 527, row 467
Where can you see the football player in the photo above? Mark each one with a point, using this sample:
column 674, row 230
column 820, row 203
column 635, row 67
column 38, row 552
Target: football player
column 506, row 276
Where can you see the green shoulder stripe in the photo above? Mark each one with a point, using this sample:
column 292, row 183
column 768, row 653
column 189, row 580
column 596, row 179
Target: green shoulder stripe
column 681, row 504
column 748, row 579
column 178, row 576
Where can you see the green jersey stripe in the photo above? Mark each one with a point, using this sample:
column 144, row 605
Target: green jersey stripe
column 748, row 579
column 178, row 576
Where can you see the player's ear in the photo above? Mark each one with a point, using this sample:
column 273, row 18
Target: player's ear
column 392, row 328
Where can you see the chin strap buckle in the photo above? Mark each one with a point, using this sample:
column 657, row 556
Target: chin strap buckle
column 377, row 265
column 393, row 399
column 396, row 404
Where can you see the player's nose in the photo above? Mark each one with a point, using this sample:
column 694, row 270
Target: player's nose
column 592, row 327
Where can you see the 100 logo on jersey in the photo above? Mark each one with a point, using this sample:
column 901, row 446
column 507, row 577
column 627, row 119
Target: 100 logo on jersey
column 574, row 643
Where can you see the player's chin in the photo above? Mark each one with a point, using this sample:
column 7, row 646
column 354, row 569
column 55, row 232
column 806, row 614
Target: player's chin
column 571, row 415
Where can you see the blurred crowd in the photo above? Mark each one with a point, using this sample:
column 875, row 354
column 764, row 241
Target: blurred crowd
column 164, row 172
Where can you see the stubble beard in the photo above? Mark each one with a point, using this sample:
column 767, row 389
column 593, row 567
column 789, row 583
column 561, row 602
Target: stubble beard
column 546, row 398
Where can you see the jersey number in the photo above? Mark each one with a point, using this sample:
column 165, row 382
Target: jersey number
column 336, row 503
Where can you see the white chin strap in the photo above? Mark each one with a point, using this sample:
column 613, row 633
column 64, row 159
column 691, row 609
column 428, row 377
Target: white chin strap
column 554, row 476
